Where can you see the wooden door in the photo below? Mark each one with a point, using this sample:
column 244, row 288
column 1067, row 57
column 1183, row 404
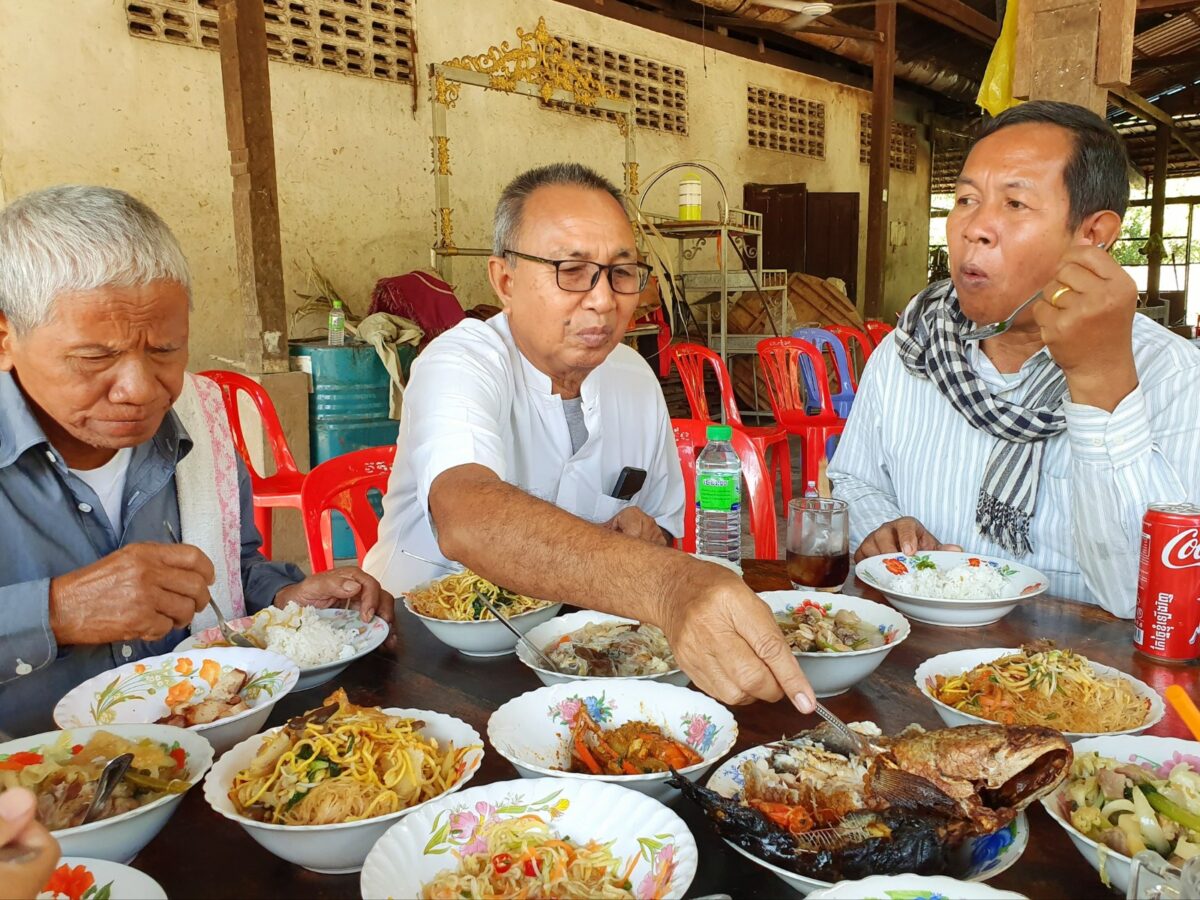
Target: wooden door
column 831, row 226
column 783, row 211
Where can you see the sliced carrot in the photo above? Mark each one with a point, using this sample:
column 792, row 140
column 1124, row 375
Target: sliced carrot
column 585, row 756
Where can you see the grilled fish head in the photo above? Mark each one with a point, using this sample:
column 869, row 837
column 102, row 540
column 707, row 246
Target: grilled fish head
column 988, row 772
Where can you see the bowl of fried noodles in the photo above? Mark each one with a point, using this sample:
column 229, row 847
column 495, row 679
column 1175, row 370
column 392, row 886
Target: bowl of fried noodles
column 320, row 790
column 451, row 609
column 538, row 837
column 1038, row 684
column 63, row 769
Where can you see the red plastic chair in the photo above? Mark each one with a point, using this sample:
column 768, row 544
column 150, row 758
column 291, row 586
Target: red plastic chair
column 780, row 359
column 690, row 437
column 658, row 318
column 270, row 491
column 342, row 484
column 851, row 337
column 771, row 440
column 878, row 330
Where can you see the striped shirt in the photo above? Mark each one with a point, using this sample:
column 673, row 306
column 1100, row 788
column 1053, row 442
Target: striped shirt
column 907, row 452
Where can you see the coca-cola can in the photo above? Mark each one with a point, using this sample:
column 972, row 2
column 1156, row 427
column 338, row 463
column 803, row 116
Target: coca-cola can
column 1167, row 621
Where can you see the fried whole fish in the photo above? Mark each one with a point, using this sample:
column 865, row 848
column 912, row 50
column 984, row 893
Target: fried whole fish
column 817, row 808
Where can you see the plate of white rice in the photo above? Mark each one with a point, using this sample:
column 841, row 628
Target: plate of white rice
column 322, row 642
column 943, row 587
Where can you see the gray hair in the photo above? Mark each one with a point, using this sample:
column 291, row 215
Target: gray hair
column 79, row 238
column 511, row 208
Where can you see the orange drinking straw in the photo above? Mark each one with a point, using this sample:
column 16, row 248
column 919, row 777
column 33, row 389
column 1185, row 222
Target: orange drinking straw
column 1183, row 704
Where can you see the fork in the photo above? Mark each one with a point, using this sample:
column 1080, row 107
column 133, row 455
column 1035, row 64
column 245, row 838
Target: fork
column 988, row 331
column 235, row 638
column 852, row 736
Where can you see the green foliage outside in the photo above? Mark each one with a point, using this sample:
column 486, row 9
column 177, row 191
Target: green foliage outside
column 1135, row 234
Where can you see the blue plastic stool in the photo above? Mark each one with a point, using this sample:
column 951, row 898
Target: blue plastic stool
column 828, row 343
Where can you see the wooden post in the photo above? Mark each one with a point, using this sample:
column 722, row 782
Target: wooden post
column 247, row 87
column 1158, row 202
column 881, row 155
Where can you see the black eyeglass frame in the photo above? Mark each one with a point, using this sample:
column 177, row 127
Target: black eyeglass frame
column 644, row 271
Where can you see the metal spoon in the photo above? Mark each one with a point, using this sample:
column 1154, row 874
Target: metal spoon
column 987, row 331
column 237, row 639
column 109, row 779
column 537, row 654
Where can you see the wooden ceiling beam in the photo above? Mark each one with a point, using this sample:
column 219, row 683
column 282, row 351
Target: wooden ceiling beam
column 1144, row 109
column 1144, row 63
column 1145, row 7
column 958, row 16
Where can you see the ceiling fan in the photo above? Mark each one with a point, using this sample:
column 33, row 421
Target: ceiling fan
column 806, row 13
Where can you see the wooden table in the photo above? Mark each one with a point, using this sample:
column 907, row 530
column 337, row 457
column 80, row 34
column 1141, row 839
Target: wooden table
column 201, row 854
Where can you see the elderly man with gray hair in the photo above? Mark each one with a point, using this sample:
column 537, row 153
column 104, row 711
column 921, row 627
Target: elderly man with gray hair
column 108, row 451
column 536, row 449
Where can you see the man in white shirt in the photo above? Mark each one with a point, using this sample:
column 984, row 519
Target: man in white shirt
column 516, row 432
column 1047, row 442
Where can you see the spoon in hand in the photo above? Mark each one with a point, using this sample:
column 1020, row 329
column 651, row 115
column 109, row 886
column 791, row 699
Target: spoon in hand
column 537, row 654
column 988, row 331
column 235, row 639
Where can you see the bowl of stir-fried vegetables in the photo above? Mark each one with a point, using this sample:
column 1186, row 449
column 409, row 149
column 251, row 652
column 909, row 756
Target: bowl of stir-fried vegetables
column 839, row 640
column 1128, row 793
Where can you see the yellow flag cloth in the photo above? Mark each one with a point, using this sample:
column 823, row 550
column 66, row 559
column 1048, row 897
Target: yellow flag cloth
column 995, row 94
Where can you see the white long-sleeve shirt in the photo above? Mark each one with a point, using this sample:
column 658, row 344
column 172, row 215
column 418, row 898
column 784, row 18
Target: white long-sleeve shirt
column 907, row 452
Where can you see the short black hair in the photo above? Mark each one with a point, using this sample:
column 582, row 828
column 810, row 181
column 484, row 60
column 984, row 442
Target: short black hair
column 1097, row 174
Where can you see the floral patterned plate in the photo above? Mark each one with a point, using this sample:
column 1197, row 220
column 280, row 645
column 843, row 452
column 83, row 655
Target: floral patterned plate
column 77, row 878
column 650, row 840
column 144, row 691
column 533, row 731
column 362, row 637
column 1021, row 583
column 978, row 859
column 1158, row 755
column 912, row 887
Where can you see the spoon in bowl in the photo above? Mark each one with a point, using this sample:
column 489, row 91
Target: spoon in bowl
column 537, row 654
column 113, row 772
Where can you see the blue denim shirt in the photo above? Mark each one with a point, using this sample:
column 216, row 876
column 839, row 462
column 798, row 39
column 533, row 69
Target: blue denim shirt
column 53, row 524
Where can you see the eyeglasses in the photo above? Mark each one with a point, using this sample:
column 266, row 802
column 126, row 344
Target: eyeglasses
column 581, row 275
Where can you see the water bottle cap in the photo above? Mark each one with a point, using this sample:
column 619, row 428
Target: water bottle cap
column 337, row 304
column 720, row 432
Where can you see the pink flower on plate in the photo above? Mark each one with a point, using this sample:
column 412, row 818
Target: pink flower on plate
column 569, row 709
column 662, row 870
column 466, row 826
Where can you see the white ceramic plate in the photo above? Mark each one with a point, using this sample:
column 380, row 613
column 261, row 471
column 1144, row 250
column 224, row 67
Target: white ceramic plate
column 548, row 633
column 957, row 662
column 363, row 636
column 144, row 691
column 120, row 838
column 333, row 849
column 912, row 887
column 124, row 883
column 831, row 674
column 533, row 731
column 1022, row 582
column 977, row 859
column 421, row 846
column 1143, row 750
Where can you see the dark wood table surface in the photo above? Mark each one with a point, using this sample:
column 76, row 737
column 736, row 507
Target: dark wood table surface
column 201, row 854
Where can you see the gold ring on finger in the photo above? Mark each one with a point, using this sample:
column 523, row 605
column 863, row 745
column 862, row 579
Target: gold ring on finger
column 1058, row 293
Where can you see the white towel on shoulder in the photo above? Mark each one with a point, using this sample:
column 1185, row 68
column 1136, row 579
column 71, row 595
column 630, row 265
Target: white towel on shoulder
column 206, row 481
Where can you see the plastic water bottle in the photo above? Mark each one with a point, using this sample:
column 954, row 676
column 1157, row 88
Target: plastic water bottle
column 337, row 324
column 719, row 497
column 811, row 490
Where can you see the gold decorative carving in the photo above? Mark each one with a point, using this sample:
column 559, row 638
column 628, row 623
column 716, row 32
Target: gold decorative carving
column 539, row 59
column 623, row 124
column 441, row 155
column 447, row 241
column 445, row 92
column 631, row 179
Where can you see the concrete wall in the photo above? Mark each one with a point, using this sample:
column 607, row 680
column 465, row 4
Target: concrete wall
column 82, row 101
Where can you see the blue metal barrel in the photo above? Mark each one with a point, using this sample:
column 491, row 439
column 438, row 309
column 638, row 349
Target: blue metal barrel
column 347, row 409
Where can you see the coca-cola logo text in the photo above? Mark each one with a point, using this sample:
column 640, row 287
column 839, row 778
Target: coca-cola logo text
column 1183, row 550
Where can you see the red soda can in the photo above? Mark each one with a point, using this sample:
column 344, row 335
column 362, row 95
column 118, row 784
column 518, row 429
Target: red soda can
column 1167, row 621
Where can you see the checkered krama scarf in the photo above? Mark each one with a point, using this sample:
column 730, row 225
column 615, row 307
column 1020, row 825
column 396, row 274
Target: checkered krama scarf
column 929, row 341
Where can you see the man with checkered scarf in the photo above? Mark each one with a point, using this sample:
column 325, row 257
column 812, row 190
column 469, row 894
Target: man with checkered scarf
column 1046, row 442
